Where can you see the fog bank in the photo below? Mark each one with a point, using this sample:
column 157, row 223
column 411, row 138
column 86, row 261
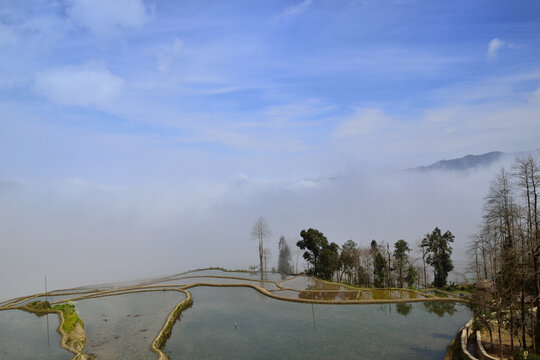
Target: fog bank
column 78, row 233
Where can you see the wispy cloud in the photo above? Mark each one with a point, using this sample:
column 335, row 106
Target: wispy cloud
column 496, row 45
column 296, row 10
column 293, row 113
column 79, row 85
column 100, row 16
column 535, row 96
column 166, row 56
column 449, row 129
column 363, row 122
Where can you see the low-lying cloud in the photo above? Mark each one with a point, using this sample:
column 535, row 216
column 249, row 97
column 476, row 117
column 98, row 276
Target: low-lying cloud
column 79, row 233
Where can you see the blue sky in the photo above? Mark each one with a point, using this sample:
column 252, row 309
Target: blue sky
column 102, row 90
column 156, row 132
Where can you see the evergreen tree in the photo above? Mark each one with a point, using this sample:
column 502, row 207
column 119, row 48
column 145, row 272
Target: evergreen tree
column 401, row 258
column 412, row 276
column 324, row 257
column 347, row 258
column 379, row 270
column 284, row 261
column 438, row 251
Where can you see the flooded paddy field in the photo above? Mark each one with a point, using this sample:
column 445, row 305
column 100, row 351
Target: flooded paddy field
column 309, row 283
column 123, row 326
column 236, row 315
column 189, row 279
column 317, row 295
column 26, row 336
column 270, row 329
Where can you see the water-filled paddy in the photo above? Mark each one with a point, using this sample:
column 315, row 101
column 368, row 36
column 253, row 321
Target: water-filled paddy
column 310, row 283
column 24, row 336
column 243, row 274
column 215, row 279
column 123, row 326
column 384, row 294
column 270, row 329
column 317, row 295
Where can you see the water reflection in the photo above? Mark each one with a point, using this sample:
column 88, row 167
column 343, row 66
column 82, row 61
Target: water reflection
column 440, row 308
column 327, row 295
column 385, row 294
column 308, row 283
column 270, row 329
column 404, row 309
column 24, row 336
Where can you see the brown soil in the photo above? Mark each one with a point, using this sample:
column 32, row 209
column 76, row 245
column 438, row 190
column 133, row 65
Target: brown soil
column 494, row 349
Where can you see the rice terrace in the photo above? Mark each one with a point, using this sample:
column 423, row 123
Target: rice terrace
column 279, row 317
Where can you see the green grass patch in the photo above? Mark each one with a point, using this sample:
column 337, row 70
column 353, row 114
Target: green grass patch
column 71, row 318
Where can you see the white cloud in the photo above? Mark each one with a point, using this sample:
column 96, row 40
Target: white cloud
column 493, row 48
column 363, row 122
column 454, row 129
column 296, row 9
column 291, row 114
column 100, row 16
column 152, row 225
column 535, row 97
column 83, row 86
column 167, row 55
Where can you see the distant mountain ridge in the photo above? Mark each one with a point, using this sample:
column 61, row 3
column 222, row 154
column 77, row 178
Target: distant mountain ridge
column 465, row 163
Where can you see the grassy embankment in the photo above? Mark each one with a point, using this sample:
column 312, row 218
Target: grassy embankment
column 71, row 325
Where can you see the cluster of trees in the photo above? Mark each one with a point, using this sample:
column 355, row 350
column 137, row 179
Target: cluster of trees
column 376, row 265
column 373, row 266
column 506, row 252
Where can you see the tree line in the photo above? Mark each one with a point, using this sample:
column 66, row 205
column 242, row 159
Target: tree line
column 505, row 254
column 377, row 265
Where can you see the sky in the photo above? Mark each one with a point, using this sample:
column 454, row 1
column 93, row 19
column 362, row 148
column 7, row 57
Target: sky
column 140, row 138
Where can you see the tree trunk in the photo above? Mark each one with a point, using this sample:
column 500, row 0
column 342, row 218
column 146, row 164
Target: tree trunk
column 511, row 328
column 261, row 250
column 499, row 324
column 536, row 300
column 523, row 319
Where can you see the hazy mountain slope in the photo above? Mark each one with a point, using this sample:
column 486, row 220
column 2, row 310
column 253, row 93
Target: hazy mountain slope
column 464, row 163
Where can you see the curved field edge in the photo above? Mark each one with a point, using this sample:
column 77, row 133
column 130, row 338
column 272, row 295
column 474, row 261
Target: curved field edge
column 165, row 332
column 73, row 337
column 333, row 302
column 74, row 345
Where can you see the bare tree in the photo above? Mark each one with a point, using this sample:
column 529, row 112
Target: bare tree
column 527, row 175
column 267, row 254
column 506, row 251
column 260, row 232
